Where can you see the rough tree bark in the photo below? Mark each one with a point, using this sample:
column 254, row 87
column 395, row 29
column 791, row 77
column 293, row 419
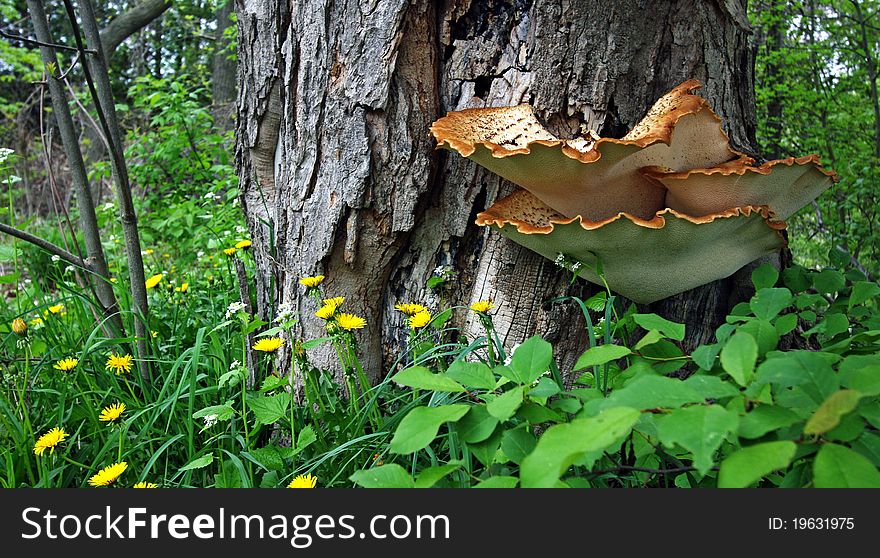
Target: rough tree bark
column 223, row 73
column 339, row 176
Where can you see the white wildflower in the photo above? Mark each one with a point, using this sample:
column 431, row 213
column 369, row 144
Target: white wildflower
column 210, row 420
column 211, row 196
column 56, row 258
column 234, row 365
column 285, row 312
column 234, row 309
column 68, row 269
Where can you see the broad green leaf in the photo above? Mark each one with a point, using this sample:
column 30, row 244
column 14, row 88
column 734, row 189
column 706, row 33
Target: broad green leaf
column 840, row 467
column 269, row 409
column 764, row 276
column 600, row 355
column 664, row 356
column 391, row 475
column 768, row 303
column 419, row 427
column 498, row 482
column 829, row 413
column 834, row 324
column 198, row 463
column 698, row 429
column 764, row 332
column 305, row 438
column 765, row 418
column 705, row 355
column 785, row 324
column 531, row 359
column 517, row 443
column 649, row 339
column 220, row 412
column 670, row 329
column 563, row 444
column 420, row 377
column 796, row 278
column 738, row 357
column 828, row 281
column 861, row 373
column 863, row 291
column 546, row 388
column 503, row 406
column 711, row 387
column 471, row 374
column 269, row 383
column 749, row 465
column 432, row 475
column 868, row 445
column 649, row 392
column 476, row 425
column 800, row 368
column 269, row 457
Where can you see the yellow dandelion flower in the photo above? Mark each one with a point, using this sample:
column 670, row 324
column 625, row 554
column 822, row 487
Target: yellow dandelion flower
column 410, row 309
column 154, row 280
column 303, row 481
column 243, row 244
column 182, row 288
column 349, row 322
column 312, row 282
column 50, row 440
column 66, row 364
column 230, row 251
column 36, row 322
column 19, row 326
column 56, row 309
column 112, row 413
column 119, row 364
column 420, row 320
column 326, row 312
column 143, row 484
column 335, row 301
column 482, row 306
column 154, row 334
column 149, row 252
column 268, row 344
column 108, row 474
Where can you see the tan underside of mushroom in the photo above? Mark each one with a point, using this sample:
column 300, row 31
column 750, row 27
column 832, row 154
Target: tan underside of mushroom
column 785, row 186
column 596, row 180
column 644, row 260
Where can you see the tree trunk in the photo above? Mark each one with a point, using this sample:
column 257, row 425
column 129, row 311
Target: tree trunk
column 339, row 176
column 223, row 74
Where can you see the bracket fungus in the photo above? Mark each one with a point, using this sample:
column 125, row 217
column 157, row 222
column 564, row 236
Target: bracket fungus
column 668, row 207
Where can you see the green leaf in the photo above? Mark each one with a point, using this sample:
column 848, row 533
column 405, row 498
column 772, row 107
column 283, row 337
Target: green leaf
column 476, row 425
column 430, row 476
column 421, row 378
column 531, row 359
column 829, row 413
column 305, row 438
column 600, row 355
column 472, row 374
column 861, row 373
column 768, row 303
column 517, row 443
column 749, row 465
column 198, row 463
column 391, row 475
column 796, row 278
column 711, row 387
column 862, row 292
column 503, row 406
column 829, row 281
column 222, row 412
column 698, row 429
column 840, row 467
column 498, row 482
column 764, row 332
column 672, row 330
column 649, row 339
column 269, row 457
column 268, row 410
column 765, row 418
column 649, row 392
column 834, row 324
column 546, row 388
column 269, row 383
column 704, row 356
column 419, row 427
column 738, row 357
column 563, row 444
column 764, row 276
column 785, row 324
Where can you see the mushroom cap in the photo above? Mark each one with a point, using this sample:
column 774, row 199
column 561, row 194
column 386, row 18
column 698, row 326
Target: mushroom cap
column 784, row 185
column 644, row 260
column 594, row 179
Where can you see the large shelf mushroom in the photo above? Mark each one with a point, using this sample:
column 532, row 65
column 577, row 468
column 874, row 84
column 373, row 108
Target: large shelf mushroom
column 668, row 207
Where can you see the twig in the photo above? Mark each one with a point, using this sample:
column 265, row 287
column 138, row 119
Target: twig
column 35, row 42
column 45, row 245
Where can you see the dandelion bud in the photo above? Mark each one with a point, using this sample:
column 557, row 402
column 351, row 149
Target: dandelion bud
column 19, row 326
